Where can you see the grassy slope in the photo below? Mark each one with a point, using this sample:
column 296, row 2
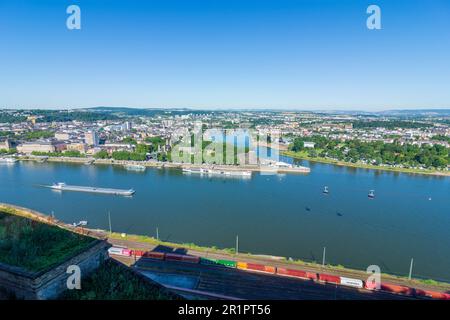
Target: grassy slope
column 36, row 246
column 112, row 281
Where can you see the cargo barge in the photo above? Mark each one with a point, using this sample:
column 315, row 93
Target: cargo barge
column 61, row 186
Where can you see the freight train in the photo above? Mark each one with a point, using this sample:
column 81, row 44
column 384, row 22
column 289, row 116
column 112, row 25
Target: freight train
column 300, row 274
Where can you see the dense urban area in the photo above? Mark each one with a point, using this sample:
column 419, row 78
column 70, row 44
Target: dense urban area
column 413, row 140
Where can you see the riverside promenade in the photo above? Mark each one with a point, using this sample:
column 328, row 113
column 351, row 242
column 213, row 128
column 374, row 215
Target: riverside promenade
column 267, row 169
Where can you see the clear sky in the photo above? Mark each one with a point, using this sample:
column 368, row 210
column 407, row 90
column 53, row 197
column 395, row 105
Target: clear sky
column 290, row 54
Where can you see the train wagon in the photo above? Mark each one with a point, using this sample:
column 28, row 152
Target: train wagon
column 297, row 273
column 328, row 278
column 219, row 262
column 350, row 282
column 118, row 251
column 397, row 289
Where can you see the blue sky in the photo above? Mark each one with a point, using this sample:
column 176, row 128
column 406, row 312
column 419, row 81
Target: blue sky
column 311, row 54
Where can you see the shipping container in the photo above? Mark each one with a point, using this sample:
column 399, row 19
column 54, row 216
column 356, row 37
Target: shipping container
column 282, row 271
column 126, row 252
column 371, row 285
column 154, row 255
column 270, row 269
column 297, row 273
column 397, row 289
column 138, row 253
column 190, row 259
column 174, row 257
column 260, row 268
column 116, row 250
column 435, row 295
column 241, row 265
column 208, row 261
column 227, row 263
column 329, row 278
column 311, row 275
column 255, row 266
column 350, row 282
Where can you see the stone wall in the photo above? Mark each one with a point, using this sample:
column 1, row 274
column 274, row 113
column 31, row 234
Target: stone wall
column 49, row 284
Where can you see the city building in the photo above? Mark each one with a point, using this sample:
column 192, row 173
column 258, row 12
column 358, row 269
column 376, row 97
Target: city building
column 91, row 138
column 62, row 136
column 6, row 144
column 37, row 146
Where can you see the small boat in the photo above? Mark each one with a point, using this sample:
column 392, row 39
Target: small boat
column 8, row 160
column 339, row 214
column 307, row 208
column 134, row 167
column 325, row 190
column 80, row 224
column 371, row 194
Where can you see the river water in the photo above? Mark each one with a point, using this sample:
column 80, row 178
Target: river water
column 282, row 215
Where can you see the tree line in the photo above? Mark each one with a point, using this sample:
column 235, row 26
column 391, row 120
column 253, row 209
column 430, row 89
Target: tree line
column 375, row 152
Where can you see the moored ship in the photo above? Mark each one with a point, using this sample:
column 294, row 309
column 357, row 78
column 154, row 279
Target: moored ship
column 8, row 160
column 227, row 173
column 134, row 167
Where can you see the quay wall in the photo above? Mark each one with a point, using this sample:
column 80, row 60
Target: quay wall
column 19, row 283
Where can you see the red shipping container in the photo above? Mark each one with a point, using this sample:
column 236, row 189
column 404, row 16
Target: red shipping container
column 420, row 292
column 138, row 253
column 154, row 255
column 370, row 285
column 173, row 257
column 190, row 259
column 297, row 273
column 269, row 269
column 311, row 275
column 397, row 289
column 435, row 294
column 282, row 271
column 329, row 278
column 255, row 266
column 126, row 252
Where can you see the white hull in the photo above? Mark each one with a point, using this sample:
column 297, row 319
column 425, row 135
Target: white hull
column 219, row 172
column 7, row 160
column 119, row 192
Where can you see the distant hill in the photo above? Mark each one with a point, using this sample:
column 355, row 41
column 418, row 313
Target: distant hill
column 418, row 112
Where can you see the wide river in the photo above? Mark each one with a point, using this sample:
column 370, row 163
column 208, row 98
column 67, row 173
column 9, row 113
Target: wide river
column 282, row 215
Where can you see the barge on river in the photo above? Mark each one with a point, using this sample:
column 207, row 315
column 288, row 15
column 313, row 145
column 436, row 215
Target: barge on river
column 61, row 186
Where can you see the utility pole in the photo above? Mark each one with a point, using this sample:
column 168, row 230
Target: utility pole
column 157, row 234
column 237, row 244
column 410, row 268
column 323, row 256
column 109, row 219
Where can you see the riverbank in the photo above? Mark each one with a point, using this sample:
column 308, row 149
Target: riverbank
column 140, row 242
column 304, row 156
column 144, row 242
column 160, row 165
